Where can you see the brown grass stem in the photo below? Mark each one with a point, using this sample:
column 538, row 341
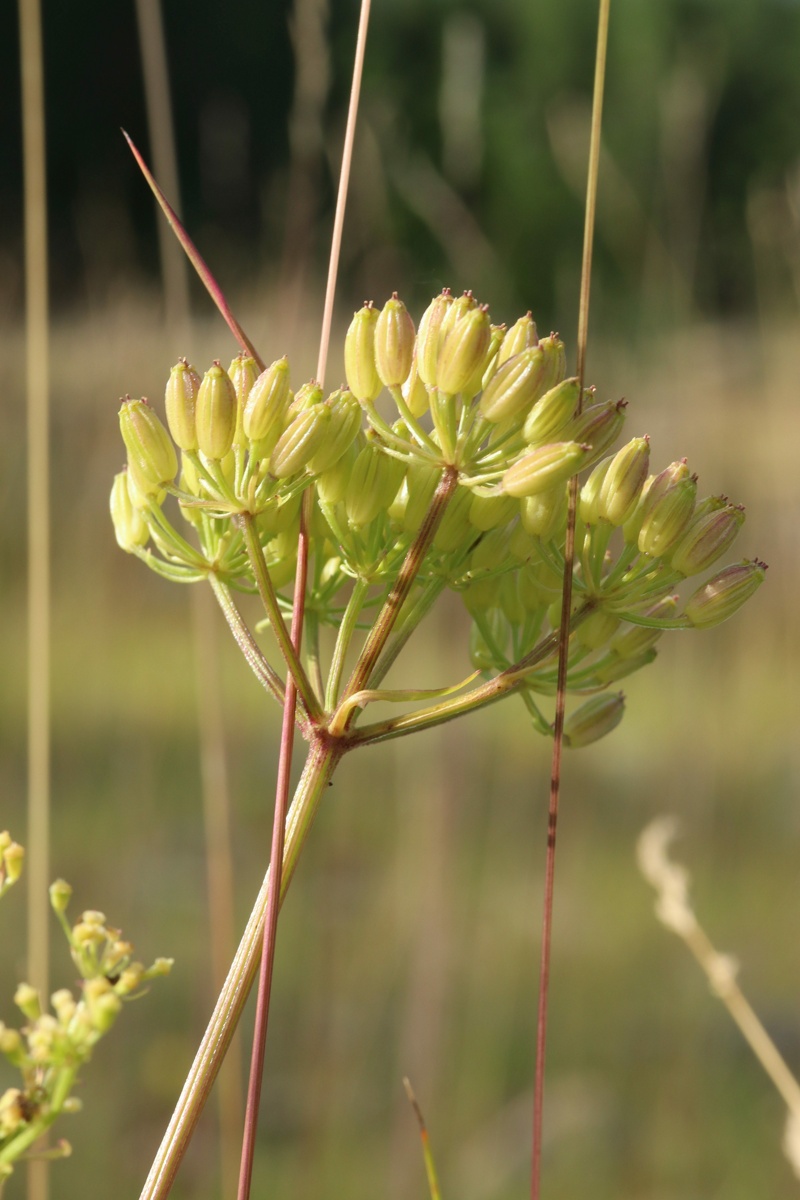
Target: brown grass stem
column 344, row 181
column 566, row 609
column 38, row 387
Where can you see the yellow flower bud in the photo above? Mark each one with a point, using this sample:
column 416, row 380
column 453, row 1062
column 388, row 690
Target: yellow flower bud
column 27, row 1001
column 60, row 895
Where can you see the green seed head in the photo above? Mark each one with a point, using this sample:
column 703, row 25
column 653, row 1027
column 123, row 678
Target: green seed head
column 151, row 454
column 216, row 413
column 359, row 355
column 720, row 598
column 332, row 484
column 634, row 640
column 394, row 343
column 597, row 629
column 180, row 400
column 555, row 361
column 374, row 483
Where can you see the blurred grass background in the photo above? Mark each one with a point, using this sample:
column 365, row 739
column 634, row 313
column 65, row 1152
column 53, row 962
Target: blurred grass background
column 409, row 942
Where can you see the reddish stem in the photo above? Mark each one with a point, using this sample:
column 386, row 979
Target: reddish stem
column 275, row 863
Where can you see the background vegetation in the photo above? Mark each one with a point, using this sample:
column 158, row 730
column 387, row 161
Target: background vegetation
column 409, row 941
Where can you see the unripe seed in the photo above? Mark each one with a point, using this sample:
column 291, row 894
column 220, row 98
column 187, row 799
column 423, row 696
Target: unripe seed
column 130, row 529
column 521, row 336
column 487, row 512
column 332, row 484
column 623, row 481
column 266, row 405
column 552, row 412
column 597, row 629
column 720, row 598
column 394, row 342
column 463, row 350
column 593, row 720
column 300, row 441
column 544, row 513
column 667, row 519
column 514, row 386
column 243, row 373
column 414, row 392
column 429, row 337
column 359, row 355
column 151, row 454
column 216, row 413
column 633, row 640
column 374, row 483
column 555, row 360
column 707, row 538
column 598, row 426
column 180, row 400
column 344, row 426
column 544, row 468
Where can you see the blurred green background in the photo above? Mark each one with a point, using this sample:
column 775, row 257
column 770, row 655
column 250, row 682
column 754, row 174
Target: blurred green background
column 409, row 942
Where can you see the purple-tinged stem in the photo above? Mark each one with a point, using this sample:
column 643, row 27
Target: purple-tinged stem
column 195, row 258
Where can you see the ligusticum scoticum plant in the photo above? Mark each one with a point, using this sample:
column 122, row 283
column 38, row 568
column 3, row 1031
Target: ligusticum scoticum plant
column 444, row 464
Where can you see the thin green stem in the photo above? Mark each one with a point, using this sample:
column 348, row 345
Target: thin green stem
column 323, row 756
column 504, row 684
column 266, row 591
column 346, row 630
column 258, row 664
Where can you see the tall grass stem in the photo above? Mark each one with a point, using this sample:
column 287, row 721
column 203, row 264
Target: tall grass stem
column 38, row 462
column 566, row 609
